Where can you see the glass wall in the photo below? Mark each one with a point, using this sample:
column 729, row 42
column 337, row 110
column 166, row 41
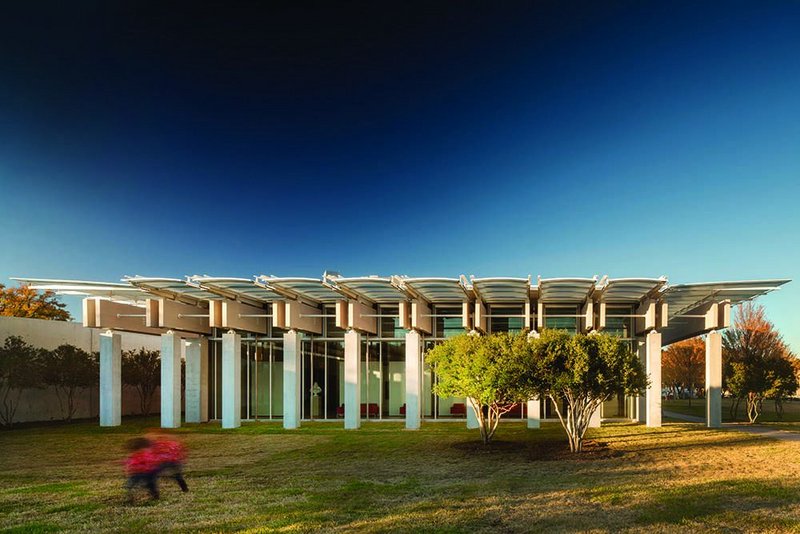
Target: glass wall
column 561, row 318
column 448, row 323
column 619, row 322
column 506, row 318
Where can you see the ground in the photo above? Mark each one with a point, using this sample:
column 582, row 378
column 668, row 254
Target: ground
column 681, row 477
column 791, row 410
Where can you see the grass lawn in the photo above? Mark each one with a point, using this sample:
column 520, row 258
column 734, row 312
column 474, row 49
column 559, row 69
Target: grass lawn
column 791, row 410
column 382, row 478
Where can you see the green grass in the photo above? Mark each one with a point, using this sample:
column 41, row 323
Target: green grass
column 383, row 478
column 791, row 410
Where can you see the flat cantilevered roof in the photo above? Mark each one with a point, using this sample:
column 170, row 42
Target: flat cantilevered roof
column 242, row 289
column 565, row 290
column 502, row 289
column 114, row 291
column 682, row 298
column 313, row 289
column 437, row 289
column 629, row 290
column 172, row 288
column 372, row 288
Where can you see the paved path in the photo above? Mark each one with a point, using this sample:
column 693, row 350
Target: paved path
column 757, row 430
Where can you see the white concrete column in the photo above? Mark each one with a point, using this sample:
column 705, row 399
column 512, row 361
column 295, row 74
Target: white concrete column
column 352, row 380
column 713, row 379
column 170, row 380
column 472, row 419
column 413, row 346
column 596, row 419
column 534, row 413
column 110, row 379
column 653, row 396
column 641, row 401
column 231, row 380
column 291, row 379
column 197, row 380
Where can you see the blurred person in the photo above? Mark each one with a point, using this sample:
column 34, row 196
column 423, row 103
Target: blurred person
column 141, row 467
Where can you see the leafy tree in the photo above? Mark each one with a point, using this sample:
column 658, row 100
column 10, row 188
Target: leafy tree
column 19, row 370
column 684, row 364
column 68, row 369
column 141, row 369
column 580, row 372
column 23, row 301
column 492, row 372
column 757, row 363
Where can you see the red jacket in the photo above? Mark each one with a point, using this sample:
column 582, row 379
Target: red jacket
column 142, row 461
column 167, row 451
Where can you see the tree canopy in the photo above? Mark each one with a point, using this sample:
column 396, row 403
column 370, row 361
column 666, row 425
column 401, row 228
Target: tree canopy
column 20, row 369
column 757, row 362
column 683, row 365
column 492, row 372
column 23, row 301
column 141, row 369
column 579, row 372
column 68, row 369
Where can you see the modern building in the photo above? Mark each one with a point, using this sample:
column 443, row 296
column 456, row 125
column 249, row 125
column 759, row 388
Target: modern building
column 353, row 349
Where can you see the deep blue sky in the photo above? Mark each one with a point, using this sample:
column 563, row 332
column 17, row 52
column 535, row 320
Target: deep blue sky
column 628, row 139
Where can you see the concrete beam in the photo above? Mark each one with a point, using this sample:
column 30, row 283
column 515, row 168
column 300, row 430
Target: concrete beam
column 100, row 313
column 342, row 312
column 601, row 315
column 587, row 315
column 241, row 316
column 295, row 315
column 647, row 317
column 421, row 316
column 662, row 315
column 539, row 315
column 352, row 379
column 701, row 320
column 110, row 379
column 528, row 320
column 481, row 322
column 231, row 380
column 170, row 380
column 466, row 316
column 197, row 380
column 174, row 315
column 359, row 318
column 405, row 314
column 291, row 379
column 413, row 390
column 714, row 379
column 215, row 313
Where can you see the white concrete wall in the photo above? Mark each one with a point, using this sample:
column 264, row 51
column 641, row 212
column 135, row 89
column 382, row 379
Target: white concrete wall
column 42, row 404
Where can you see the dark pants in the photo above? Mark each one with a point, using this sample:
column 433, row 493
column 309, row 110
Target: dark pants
column 147, row 480
column 173, row 470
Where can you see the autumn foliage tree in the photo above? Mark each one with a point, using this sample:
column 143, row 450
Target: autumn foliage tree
column 757, row 362
column 683, row 365
column 23, row 301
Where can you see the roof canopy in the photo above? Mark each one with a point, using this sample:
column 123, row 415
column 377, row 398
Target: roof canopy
column 502, row 290
column 565, row 290
column 242, row 289
column 685, row 297
column 681, row 298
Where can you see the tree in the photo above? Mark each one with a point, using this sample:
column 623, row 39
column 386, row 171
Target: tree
column 684, row 364
column 68, row 369
column 19, row 370
column 758, row 364
column 23, row 301
column 580, row 372
column 141, row 369
column 492, row 372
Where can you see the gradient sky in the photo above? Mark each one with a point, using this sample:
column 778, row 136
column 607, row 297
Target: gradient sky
column 629, row 139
